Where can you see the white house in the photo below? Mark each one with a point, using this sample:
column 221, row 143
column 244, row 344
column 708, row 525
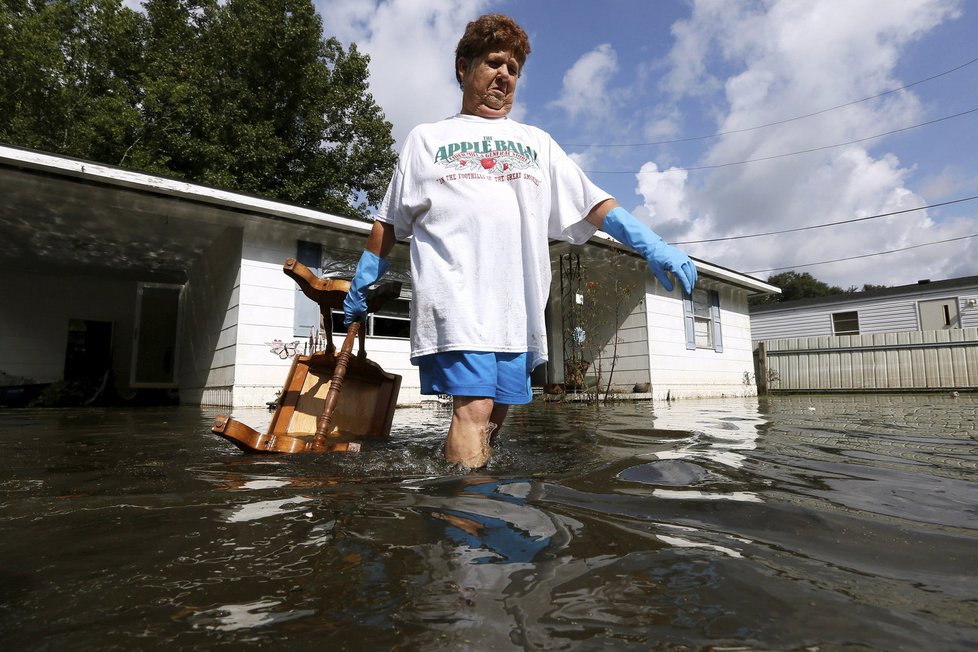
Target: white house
column 923, row 306
column 160, row 284
column 920, row 337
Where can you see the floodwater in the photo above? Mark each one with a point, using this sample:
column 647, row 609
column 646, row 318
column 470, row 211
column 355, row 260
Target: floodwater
column 789, row 523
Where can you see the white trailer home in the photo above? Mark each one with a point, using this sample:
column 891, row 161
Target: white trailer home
column 913, row 337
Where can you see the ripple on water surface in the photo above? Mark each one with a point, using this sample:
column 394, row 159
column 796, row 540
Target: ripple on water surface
column 787, row 523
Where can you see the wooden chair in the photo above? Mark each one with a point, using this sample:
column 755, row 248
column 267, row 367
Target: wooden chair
column 311, row 414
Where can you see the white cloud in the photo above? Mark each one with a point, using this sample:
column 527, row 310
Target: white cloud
column 411, row 44
column 789, row 58
column 585, row 89
column 947, row 183
column 665, row 206
column 583, row 159
column 664, row 124
column 695, row 38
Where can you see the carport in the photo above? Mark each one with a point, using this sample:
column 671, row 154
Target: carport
column 94, row 269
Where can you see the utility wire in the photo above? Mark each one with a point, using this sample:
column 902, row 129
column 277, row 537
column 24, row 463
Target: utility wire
column 878, row 253
column 828, row 224
column 779, row 122
column 802, row 151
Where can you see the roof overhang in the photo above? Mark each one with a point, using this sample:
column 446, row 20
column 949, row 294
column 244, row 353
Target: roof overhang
column 60, row 213
column 704, row 268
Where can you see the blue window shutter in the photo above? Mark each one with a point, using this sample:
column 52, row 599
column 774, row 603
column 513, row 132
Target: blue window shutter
column 715, row 312
column 689, row 322
column 306, row 315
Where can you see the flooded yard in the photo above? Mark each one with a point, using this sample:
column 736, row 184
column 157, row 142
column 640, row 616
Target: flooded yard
column 788, row 523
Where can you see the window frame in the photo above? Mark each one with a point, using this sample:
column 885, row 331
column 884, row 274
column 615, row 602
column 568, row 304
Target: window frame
column 372, row 319
column 712, row 321
column 845, row 316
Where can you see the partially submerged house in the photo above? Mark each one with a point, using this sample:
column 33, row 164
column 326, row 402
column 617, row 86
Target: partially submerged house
column 911, row 337
column 153, row 284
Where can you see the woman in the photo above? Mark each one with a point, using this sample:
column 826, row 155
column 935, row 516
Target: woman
column 481, row 195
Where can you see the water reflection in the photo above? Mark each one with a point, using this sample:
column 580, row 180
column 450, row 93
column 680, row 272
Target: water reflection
column 231, row 617
column 492, row 521
column 702, row 460
column 265, row 509
column 790, row 523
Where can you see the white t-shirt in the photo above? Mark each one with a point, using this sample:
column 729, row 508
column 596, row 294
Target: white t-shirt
column 480, row 199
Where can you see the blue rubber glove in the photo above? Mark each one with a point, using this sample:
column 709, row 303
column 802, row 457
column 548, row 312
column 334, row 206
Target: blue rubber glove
column 369, row 270
column 661, row 257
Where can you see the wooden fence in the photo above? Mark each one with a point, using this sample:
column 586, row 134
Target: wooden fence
column 909, row 360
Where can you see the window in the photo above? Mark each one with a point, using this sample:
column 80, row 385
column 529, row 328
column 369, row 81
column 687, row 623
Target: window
column 392, row 320
column 702, row 320
column 845, row 323
column 305, row 317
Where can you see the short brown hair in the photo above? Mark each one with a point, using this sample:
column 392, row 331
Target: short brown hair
column 490, row 33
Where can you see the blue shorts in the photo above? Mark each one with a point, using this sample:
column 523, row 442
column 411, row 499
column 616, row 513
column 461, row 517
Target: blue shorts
column 503, row 377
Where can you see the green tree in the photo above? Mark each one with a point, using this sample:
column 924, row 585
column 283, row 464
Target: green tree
column 870, row 287
column 242, row 94
column 796, row 285
column 68, row 74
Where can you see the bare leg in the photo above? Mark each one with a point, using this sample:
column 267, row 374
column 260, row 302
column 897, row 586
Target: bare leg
column 467, row 442
column 499, row 412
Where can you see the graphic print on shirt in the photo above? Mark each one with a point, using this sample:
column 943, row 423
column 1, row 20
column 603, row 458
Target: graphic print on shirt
column 490, row 158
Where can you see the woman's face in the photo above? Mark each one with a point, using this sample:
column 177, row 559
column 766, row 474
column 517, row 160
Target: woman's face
column 489, row 84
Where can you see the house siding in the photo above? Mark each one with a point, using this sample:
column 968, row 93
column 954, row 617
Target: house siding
column 890, row 314
column 969, row 314
column 267, row 303
column 266, row 313
column 626, row 365
column 209, row 325
column 651, row 347
column 802, row 324
column 678, row 372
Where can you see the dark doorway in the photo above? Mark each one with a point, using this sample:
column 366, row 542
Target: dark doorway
column 88, row 356
column 156, row 335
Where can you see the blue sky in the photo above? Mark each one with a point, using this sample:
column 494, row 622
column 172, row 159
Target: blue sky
column 613, row 80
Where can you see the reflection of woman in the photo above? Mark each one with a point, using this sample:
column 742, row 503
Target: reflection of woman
column 480, row 525
column 501, row 548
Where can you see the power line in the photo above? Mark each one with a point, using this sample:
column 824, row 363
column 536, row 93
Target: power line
column 779, row 122
column 878, row 253
column 828, row 224
column 802, row 151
